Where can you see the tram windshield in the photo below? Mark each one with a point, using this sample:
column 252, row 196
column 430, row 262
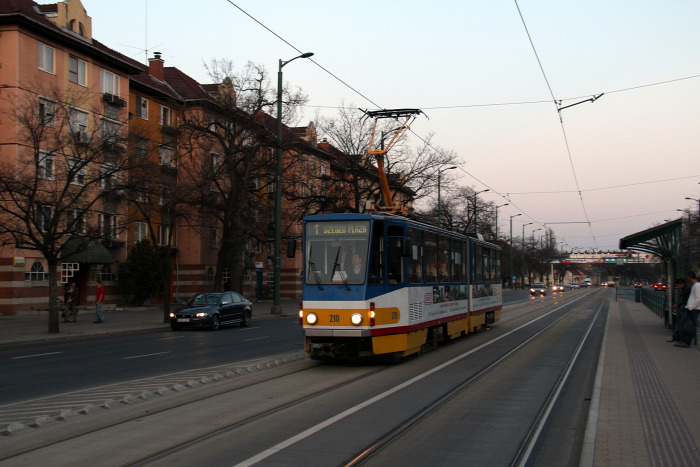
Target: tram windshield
column 336, row 252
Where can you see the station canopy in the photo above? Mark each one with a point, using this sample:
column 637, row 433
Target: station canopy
column 663, row 241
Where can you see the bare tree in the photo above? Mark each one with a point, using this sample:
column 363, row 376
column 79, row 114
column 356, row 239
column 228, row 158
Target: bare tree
column 64, row 182
column 227, row 165
column 355, row 179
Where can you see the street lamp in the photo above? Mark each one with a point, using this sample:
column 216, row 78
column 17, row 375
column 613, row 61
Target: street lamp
column 476, row 221
column 276, row 307
column 698, row 201
column 512, row 249
column 523, row 265
column 440, row 171
column 499, row 206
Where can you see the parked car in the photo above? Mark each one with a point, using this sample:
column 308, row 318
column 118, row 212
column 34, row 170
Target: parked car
column 558, row 288
column 538, row 288
column 212, row 310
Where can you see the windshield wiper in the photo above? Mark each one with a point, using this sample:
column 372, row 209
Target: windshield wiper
column 312, row 268
column 342, row 274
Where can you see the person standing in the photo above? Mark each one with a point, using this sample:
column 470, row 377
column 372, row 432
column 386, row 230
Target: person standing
column 99, row 301
column 692, row 309
column 683, row 292
column 72, row 295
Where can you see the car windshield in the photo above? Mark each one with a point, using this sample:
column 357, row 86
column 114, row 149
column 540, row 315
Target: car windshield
column 204, row 299
column 538, row 284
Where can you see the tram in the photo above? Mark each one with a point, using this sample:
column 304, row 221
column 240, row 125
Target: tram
column 381, row 284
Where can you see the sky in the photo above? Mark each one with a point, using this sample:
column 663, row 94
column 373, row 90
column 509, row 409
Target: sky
column 491, row 77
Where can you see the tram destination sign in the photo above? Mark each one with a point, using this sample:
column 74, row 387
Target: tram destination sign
column 338, row 229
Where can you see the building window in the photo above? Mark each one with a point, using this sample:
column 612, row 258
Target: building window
column 213, row 238
column 215, row 162
column 108, row 226
column 109, row 178
column 75, row 222
column 210, row 274
column 164, row 195
column 141, row 148
column 140, row 232
column 109, row 83
column 47, row 112
column 163, row 234
column 45, row 165
column 166, row 116
column 43, row 217
column 141, row 110
column 46, row 55
column 36, row 273
column 166, row 156
column 76, row 70
column 109, row 130
column 77, row 171
column 77, row 120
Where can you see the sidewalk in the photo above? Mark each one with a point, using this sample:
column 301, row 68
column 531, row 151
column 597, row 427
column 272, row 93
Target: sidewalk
column 33, row 326
column 644, row 410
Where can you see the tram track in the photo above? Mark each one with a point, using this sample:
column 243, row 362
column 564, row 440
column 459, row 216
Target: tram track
column 525, row 451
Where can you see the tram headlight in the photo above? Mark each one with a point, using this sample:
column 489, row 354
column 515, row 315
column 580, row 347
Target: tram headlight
column 356, row 319
column 312, row 318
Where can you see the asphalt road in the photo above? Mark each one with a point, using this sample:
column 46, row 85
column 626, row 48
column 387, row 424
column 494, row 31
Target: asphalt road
column 29, row 371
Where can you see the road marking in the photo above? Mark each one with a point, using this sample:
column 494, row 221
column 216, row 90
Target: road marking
column 256, row 338
column 145, row 355
column 173, row 337
column 36, row 355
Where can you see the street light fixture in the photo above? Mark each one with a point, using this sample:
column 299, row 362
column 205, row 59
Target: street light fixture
column 512, row 249
column 698, row 201
column 440, row 171
column 276, row 307
column 476, row 221
column 499, row 206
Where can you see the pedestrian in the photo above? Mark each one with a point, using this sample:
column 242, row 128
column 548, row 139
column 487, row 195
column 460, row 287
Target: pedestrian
column 692, row 308
column 99, row 301
column 71, row 298
column 683, row 292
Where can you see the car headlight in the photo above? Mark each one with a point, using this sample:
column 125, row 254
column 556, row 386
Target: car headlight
column 532, row 290
column 356, row 319
column 172, row 315
column 202, row 314
column 311, row 318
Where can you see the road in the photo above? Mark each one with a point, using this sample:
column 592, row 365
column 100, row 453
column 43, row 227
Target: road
column 474, row 401
column 44, row 369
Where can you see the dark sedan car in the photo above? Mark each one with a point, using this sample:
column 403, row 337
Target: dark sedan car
column 212, row 310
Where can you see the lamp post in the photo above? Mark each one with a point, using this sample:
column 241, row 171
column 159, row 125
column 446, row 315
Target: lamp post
column 276, row 307
column 512, row 248
column 499, row 206
column 523, row 268
column 476, row 221
column 440, row 171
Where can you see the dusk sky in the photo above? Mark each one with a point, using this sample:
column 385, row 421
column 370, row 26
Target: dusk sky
column 607, row 169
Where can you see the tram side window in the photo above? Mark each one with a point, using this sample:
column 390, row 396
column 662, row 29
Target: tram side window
column 488, row 270
column 443, row 259
column 376, row 266
column 415, row 262
column 457, row 266
column 431, row 261
column 395, row 259
column 498, row 266
column 478, row 264
column 465, row 250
